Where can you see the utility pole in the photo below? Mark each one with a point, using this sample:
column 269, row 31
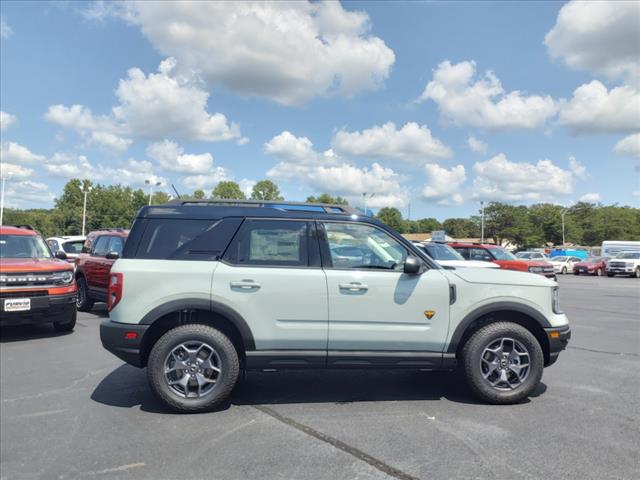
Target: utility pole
column 151, row 183
column 367, row 197
column 562, row 214
column 86, row 191
column 4, row 179
column 482, row 223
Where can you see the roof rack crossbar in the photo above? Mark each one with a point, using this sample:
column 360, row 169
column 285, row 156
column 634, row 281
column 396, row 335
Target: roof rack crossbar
column 279, row 204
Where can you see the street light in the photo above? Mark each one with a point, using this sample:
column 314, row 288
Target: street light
column 482, row 223
column 366, row 198
column 562, row 214
column 85, row 191
column 4, row 179
column 151, row 184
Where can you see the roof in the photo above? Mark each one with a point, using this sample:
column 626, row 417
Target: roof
column 477, row 245
column 25, row 230
column 119, row 232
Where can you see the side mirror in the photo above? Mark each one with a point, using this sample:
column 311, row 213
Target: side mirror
column 113, row 255
column 61, row 255
column 412, row 266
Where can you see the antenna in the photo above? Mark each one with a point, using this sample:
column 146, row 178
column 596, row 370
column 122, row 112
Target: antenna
column 174, row 189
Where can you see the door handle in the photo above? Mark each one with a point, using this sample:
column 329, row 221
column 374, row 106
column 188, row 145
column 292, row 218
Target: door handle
column 354, row 287
column 245, row 285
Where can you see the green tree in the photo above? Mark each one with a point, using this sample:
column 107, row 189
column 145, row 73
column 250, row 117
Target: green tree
column 326, row 198
column 266, row 190
column 461, row 228
column 392, row 217
column 199, row 194
column 509, row 222
column 228, row 190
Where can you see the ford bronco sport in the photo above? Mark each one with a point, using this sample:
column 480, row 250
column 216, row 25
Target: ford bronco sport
column 35, row 287
column 205, row 289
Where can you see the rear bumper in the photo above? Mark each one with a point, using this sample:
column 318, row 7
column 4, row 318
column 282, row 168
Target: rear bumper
column 125, row 347
column 44, row 309
column 559, row 343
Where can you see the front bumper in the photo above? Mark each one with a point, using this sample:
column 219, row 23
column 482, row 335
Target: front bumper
column 44, row 309
column 558, row 340
column 621, row 270
column 119, row 339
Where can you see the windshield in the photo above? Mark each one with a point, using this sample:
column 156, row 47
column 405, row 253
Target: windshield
column 559, row 259
column 501, row 254
column 442, row 252
column 632, row 255
column 23, row 246
column 592, row 260
column 524, row 255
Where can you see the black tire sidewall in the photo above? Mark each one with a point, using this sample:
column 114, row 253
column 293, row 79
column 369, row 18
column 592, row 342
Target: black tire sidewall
column 87, row 303
column 67, row 326
column 230, row 367
column 474, row 348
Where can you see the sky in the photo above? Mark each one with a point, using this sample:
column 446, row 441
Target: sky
column 429, row 107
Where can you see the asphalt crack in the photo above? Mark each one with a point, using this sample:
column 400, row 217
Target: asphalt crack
column 620, row 354
column 340, row 445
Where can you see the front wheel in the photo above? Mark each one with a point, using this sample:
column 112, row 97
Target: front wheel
column 637, row 273
column 84, row 302
column 564, row 271
column 193, row 368
column 599, row 272
column 502, row 363
column 609, row 274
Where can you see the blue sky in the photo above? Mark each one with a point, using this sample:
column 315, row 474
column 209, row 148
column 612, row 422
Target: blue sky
column 433, row 105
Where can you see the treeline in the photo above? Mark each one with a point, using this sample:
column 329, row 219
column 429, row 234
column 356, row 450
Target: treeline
column 116, row 205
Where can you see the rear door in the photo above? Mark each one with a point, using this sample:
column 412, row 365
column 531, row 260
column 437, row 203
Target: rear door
column 271, row 275
column 94, row 267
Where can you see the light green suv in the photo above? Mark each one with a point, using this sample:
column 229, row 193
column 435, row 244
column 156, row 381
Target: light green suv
column 205, row 289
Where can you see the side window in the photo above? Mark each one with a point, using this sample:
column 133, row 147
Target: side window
column 463, row 251
column 53, row 245
column 185, row 239
column 100, row 247
column 277, row 243
column 480, row 254
column 358, row 246
column 116, row 244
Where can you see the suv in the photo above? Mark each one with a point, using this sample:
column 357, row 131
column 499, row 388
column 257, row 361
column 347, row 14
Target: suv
column 500, row 256
column 35, row 287
column 71, row 245
column 624, row 263
column 100, row 251
column 205, row 289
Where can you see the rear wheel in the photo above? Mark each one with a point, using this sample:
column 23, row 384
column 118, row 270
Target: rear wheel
column 564, row 271
column 66, row 326
column 599, row 272
column 193, row 368
column 637, row 272
column 502, row 363
column 84, row 302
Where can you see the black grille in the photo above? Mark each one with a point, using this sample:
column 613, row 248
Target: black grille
column 26, row 294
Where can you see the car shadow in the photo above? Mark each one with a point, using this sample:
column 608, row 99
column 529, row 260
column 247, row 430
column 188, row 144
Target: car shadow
column 127, row 387
column 19, row 333
column 100, row 310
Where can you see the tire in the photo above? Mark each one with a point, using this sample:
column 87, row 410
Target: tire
column 609, row 274
column 66, row 326
column 84, row 302
column 564, row 271
column 637, row 273
column 191, row 335
column 599, row 272
column 472, row 363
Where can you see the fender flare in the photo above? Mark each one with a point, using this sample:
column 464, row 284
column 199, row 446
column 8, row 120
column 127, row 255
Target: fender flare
column 494, row 308
column 201, row 304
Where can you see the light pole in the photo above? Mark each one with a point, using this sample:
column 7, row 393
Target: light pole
column 151, row 183
column 482, row 223
column 4, row 179
column 85, row 191
column 367, row 197
column 562, row 214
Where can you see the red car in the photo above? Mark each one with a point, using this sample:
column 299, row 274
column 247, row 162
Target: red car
column 101, row 249
column 35, row 287
column 500, row 256
column 591, row 266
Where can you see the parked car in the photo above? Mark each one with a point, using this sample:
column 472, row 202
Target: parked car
column 503, row 258
column 591, row 266
column 35, row 287
column 100, row 251
column 71, row 245
column 564, row 265
column 532, row 256
column 446, row 256
column 625, row 263
column 204, row 290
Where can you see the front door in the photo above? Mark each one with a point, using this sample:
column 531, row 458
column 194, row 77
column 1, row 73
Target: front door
column 373, row 305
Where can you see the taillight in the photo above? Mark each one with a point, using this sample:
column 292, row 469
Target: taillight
column 115, row 290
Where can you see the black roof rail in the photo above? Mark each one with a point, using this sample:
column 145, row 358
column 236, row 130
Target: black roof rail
column 279, row 204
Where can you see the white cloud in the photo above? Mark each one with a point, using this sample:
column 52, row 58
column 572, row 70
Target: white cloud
column 590, row 198
column 444, row 185
column 593, row 108
column 578, row 169
column 135, row 172
column 6, row 120
column 27, row 192
column 289, row 52
column 465, row 99
column 499, row 179
column 325, row 172
column 246, row 185
column 10, row 170
column 629, row 146
column 476, row 145
column 207, row 182
column 636, row 193
column 602, row 37
column 16, row 153
column 5, row 30
column 111, row 141
column 66, row 165
column 171, row 156
column 411, row 143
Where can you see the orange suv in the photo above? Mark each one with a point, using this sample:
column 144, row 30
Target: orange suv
column 35, row 286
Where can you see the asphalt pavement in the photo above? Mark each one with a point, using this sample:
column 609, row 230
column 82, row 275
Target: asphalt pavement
column 69, row 409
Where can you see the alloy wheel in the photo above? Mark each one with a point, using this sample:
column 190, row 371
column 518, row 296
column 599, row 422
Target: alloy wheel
column 504, row 363
column 192, row 369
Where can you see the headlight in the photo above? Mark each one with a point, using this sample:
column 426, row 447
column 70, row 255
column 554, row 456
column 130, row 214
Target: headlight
column 63, row 278
column 535, row 269
column 555, row 300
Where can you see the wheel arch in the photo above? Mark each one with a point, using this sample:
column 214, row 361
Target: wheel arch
column 523, row 315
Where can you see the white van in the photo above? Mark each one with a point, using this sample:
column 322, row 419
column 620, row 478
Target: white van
column 610, row 248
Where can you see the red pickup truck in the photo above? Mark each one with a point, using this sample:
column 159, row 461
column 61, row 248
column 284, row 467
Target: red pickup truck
column 101, row 249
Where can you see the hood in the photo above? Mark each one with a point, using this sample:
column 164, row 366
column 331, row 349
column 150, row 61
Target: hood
column 536, row 263
column 503, row 277
column 467, row 264
column 587, row 264
column 19, row 265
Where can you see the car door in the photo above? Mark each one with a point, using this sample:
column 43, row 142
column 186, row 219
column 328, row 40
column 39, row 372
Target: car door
column 93, row 264
column 272, row 277
column 102, row 266
column 373, row 305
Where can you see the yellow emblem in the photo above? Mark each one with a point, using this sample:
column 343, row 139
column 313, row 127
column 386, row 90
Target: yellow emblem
column 429, row 314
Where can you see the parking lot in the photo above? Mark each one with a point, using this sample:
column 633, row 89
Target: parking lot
column 71, row 410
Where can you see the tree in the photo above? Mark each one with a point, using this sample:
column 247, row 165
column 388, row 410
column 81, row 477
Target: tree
column 199, row 194
column 326, row 198
column 392, row 217
column 461, row 228
column 228, row 190
column 266, row 190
